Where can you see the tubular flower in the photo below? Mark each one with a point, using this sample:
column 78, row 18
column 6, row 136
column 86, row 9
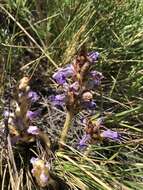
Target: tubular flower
column 85, row 140
column 93, row 56
column 33, row 96
column 6, row 113
column 33, row 160
column 74, row 87
column 44, row 178
column 89, row 105
column 33, row 130
column 33, row 114
column 110, row 134
column 58, row 100
column 96, row 77
column 61, row 75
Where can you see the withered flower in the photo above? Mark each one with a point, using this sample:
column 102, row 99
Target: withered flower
column 40, row 171
column 23, row 84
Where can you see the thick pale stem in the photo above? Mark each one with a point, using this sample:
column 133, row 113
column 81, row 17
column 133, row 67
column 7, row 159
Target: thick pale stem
column 66, row 127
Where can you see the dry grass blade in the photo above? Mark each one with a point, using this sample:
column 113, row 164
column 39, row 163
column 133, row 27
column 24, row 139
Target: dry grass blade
column 105, row 186
column 30, row 37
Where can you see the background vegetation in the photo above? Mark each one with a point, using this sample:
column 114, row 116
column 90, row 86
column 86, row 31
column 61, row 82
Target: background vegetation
column 37, row 37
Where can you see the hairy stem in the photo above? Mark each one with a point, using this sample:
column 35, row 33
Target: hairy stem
column 66, row 127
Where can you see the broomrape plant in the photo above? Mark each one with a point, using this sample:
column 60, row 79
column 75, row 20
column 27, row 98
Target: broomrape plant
column 76, row 82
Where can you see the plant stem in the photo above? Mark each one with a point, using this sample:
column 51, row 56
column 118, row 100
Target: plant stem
column 66, row 127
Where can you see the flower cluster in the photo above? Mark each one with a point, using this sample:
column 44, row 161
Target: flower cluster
column 95, row 131
column 76, row 82
column 19, row 121
column 40, row 171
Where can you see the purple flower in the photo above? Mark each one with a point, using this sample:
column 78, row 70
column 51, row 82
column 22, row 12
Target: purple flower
column 110, row 134
column 44, row 178
column 73, row 87
column 89, row 105
column 33, row 171
column 96, row 74
column 93, row 55
column 85, row 140
column 33, row 96
column 33, row 114
column 6, row 113
column 84, row 121
column 33, row 160
column 58, row 100
column 61, row 75
column 33, row 130
column 96, row 77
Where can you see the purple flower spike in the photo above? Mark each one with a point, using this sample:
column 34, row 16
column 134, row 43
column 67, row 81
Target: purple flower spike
column 33, row 96
column 58, row 100
column 110, row 134
column 89, row 105
column 33, row 114
column 84, row 141
column 93, row 55
column 33, row 130
column 61, row 75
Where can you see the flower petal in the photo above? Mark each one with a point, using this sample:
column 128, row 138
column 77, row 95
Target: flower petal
column 93, row 55
column 58, row 100
column 89, row 105
column 33, row 96
column 84, row 141
column 110, row 134
column 61, row 75
column 33, row 160
column 33, row 114
column 33, row 130
column 44, row 178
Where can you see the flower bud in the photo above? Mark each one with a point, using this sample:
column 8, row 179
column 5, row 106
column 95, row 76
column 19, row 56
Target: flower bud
column 87, row 96
column 23, row 84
